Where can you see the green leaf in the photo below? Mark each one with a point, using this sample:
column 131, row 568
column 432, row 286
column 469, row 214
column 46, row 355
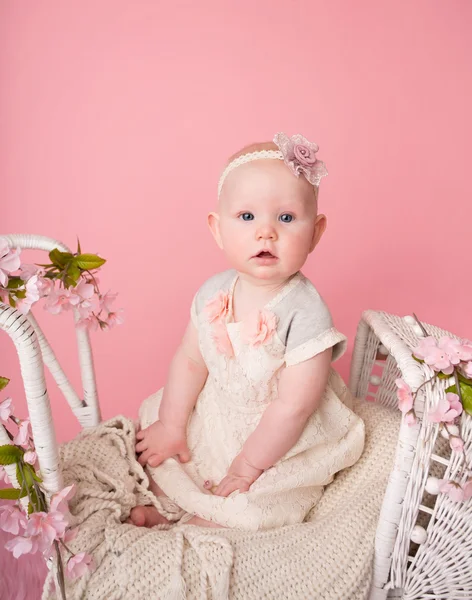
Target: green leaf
column 30, row 508
column 73, row 272
column 10, row 454
column 10, row 494
column 466, row 393
column 461, row 378
column 442, row 375
column 79, row 251
column 12, row 302
column 4, row 381
column 15, row 282
column 59, row 259
column 87, row 262
column 420, row 360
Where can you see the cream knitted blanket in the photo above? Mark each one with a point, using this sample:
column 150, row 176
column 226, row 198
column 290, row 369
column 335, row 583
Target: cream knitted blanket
column 327, row 557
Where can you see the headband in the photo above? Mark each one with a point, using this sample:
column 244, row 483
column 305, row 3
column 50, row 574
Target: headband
column 297, row 153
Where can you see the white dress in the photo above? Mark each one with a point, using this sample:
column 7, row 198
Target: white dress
column 244, row 361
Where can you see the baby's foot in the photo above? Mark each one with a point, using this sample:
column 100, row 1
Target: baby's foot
column 146, row 516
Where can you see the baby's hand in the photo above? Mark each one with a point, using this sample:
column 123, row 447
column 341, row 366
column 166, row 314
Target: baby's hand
column 241, row 475
column 158, row 442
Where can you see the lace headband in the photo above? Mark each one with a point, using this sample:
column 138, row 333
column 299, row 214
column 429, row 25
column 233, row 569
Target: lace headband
column 297, row 153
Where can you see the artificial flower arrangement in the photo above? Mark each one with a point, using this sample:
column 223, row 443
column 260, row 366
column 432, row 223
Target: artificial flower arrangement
column 449, row 359
column 68, row 281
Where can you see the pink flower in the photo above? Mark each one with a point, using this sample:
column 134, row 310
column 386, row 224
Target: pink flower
column 456, row 443
column 9, row 261
column 404, row 395
column 217, row 307
column 452, row 489
column 114, row 318
column 6, row 409
column 11, row 519
column 27, row 271
column 220, row 336
column 88, row 323
column 32, row 295
column 466, row 369
column 30, row 457
column 45, row 286
column 259, row 328
column 23, row 434
column 437, row 358
column 4, row 475
column 106, row 301
column 448, row 408
column 82, row 291
column 57, row 301
column 79, row 565
column 21, row 545
column 410, row 418
column 44, row 528
column 59, row 502
column 300, row 157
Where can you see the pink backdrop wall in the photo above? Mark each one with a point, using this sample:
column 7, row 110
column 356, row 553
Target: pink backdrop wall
column 116, row 117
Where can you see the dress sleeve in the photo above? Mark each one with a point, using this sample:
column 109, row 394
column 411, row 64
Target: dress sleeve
column 193, row 311
column 310, row 332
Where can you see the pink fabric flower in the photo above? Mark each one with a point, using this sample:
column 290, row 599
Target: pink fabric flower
column 9, row 261
column 456, row 443
column 220, row 336
column 11, row 519
column 22, row 545
column 4, row 475
column 259, row 327
column 45, row 286
column 437, row 358
column 217, row 307
column 448, row 408
column 30, row 457
column 404, row 395
column 452, row 489
column 23, row 434
column 300, row 157
column 59, row 502
column 78, row 565
column 410, row 418
column 6, row 409
column 82, row 291
column 28, row 271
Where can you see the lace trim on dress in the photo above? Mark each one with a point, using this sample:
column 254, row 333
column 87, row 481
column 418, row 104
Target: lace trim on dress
column 331, row 338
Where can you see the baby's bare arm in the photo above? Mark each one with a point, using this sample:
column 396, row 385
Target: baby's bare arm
column 187, row 375
column 167, row 436
column 301, row 388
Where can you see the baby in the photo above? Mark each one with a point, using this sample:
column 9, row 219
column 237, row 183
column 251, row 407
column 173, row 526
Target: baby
column 253, row 422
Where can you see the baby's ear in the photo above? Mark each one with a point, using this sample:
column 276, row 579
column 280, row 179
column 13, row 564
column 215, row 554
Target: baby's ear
column 214, row 225
column 320, row 227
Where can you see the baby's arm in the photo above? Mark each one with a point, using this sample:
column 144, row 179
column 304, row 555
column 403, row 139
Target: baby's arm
column 301, row 388
column 187, row 375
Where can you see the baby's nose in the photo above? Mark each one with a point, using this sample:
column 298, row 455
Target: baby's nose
column 266, row 232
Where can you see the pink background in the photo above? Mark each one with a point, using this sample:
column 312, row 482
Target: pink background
column 116, row 117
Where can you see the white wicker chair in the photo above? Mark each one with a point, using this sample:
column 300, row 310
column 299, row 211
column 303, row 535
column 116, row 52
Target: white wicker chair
column 437, row 569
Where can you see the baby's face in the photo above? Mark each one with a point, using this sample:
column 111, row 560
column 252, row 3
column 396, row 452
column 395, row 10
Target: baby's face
column 267, row 222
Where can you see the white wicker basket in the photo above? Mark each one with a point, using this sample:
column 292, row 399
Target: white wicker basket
column 437, row 569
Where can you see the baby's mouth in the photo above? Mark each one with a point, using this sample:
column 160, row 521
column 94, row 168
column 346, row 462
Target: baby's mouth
column 265, row 254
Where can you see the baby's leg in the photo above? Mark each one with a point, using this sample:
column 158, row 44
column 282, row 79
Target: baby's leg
column 148, row 516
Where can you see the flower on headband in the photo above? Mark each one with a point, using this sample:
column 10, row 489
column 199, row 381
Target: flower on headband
column 300, row 157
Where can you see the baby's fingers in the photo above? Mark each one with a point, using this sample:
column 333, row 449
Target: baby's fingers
column 155, row 460
column 143, row 458
column 140, row 435
column 141, row 446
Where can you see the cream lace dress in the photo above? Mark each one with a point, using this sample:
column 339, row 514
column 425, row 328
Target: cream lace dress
column 245, row 361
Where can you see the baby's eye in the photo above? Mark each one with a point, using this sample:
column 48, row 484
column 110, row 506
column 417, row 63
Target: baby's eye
column 247, row 216
column 286, row 218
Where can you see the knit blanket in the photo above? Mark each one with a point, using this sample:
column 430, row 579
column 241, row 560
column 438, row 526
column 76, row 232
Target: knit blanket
column 329, row 556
